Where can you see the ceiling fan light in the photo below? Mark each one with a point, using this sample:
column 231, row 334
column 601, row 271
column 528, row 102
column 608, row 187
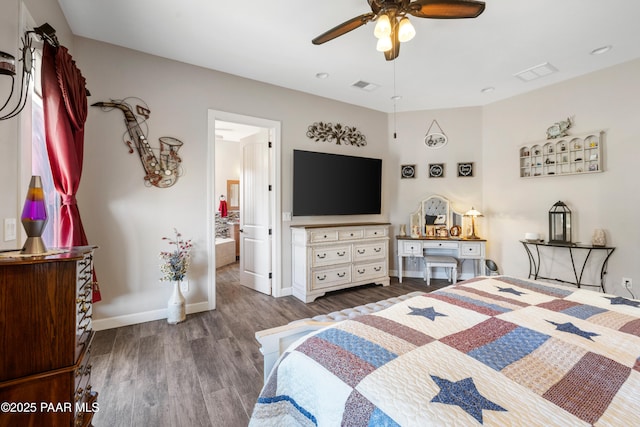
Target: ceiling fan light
column 384, row 44
column 406, row 31
column 383, row 27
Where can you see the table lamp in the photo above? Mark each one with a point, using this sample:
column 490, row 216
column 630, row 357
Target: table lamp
column 473, row 214
column 34, row 218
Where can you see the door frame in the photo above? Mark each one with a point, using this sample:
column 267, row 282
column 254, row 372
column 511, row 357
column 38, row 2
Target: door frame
column 276, row 209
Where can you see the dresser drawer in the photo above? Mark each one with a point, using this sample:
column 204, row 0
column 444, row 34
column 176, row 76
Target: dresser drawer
column 440, row 245
column 330, row 255
column 412, row 248
column 330, row 277
column 316, row 236
column 370, row 270
column 366, row 251
column 356, row 233
column 471, row 249
column 373, row 232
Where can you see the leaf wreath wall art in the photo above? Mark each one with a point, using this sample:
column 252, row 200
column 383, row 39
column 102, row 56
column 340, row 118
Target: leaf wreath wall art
column 328, row 132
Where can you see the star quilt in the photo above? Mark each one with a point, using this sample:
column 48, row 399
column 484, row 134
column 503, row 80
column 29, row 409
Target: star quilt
column 494, row 351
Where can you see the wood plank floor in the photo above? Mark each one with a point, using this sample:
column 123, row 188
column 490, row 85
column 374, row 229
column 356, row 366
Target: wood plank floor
column 206, row 371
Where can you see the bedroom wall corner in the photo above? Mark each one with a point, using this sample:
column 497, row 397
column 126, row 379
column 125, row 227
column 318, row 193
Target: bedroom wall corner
column 607, row 100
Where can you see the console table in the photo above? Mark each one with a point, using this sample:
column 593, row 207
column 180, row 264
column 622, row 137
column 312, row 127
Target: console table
column 459, row 248
column 534, row 261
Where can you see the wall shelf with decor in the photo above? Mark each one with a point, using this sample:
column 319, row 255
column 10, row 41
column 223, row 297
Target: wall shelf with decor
column 569, row 155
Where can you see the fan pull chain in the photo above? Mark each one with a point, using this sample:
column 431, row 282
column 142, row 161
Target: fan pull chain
column 395, row 100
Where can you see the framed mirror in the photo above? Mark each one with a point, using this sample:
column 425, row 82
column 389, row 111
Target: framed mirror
column 233, row 194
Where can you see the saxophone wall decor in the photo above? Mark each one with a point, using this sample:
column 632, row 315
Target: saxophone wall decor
column 162, row 172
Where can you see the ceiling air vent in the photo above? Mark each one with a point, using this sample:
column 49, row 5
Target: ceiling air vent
column 361, row 84
column 536, row 72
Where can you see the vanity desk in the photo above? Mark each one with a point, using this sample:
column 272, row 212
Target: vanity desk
column 461, row 249
column 436, row 229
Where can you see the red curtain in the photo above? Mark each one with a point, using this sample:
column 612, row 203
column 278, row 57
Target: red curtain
column 65, row 111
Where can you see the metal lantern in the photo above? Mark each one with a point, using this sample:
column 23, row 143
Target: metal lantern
column 559, row 223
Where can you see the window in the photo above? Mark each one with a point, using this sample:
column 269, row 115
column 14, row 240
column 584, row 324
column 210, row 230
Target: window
column 40, row 159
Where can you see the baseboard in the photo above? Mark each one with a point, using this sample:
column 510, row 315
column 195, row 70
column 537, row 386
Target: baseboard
column 147, row 316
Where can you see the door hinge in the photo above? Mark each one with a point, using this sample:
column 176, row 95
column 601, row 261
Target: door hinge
column 269, row 232
column 270, row 144
column 270, row 275
column 270, row 188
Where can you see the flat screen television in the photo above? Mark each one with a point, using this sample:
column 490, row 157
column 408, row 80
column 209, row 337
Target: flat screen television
column 334, row 184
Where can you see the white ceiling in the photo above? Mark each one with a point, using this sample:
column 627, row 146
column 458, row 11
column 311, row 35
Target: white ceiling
column 446, row 65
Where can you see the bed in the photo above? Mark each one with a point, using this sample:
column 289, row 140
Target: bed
column 495, row 351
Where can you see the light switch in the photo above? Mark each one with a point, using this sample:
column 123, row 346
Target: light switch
column 9, row 229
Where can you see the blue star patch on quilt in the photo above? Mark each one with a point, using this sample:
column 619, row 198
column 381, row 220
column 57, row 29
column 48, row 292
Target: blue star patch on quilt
column 464, row 394
column 428, row 312
column 573, row 329
column 510, row 291
column 623, row 301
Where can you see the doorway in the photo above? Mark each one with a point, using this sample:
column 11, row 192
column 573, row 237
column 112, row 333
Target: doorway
column 268, row 244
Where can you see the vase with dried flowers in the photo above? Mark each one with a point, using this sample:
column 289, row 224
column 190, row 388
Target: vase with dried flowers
column 174, row 266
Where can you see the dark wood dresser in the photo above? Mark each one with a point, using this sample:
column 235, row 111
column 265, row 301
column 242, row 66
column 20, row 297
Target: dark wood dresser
column 45, row 340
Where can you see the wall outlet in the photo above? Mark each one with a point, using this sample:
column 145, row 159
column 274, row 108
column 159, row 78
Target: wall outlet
column 627, row 283
column 184, row 286
column 9, row 229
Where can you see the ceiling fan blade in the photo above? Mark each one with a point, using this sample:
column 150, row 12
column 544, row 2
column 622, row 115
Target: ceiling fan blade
column 393, row 53
column 343, row 28
column 446, row 9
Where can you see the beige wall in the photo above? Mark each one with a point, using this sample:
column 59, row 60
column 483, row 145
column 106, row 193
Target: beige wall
column 127, row 220
column 608, row 100
column 463, row 128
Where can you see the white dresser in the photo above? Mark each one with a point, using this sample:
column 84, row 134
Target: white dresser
column 331, row 257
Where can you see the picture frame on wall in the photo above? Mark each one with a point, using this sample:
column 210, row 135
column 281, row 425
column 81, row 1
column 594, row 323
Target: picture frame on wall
column 465, row 170
column 436, row 170
column 407, row 171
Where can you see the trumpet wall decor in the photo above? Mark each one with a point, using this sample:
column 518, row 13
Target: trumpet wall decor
column 161, row 171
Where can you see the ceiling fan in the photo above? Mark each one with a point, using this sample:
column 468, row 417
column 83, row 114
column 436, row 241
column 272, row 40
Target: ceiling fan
column 392, row 23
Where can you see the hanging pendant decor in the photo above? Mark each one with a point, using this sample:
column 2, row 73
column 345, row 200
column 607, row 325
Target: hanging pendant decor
column 328, row 132
column 435, row 139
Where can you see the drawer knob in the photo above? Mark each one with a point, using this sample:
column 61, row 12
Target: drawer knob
column 377, row 268
column 322, row 256
column 342, row 274
column 377, row 250
column 362, row 251
column 321, row 278
column 361, row 271
column 343, row 253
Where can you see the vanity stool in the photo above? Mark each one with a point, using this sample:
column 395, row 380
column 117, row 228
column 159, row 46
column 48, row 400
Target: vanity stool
column 440, row 261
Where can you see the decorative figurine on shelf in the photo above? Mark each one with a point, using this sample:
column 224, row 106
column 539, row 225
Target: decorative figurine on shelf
column 403, row 230
column 559, row 129
column 599, row 238
column 415, row 231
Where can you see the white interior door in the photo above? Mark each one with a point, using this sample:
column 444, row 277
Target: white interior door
column 255, row 221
